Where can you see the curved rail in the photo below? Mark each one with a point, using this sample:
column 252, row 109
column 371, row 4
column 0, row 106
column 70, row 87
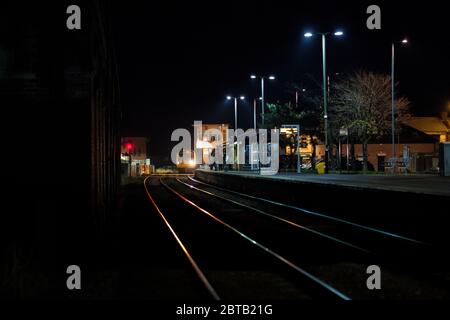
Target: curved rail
column 318, row 233
column 324, row 216
column 194, row 265
column 305, row 273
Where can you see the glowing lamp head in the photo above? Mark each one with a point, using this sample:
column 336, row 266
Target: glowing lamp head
column 308, row 35
column 228, row 98
column 339, row 33
column 405, row 41
column 272, row 78
column 242, row 97
column 252, row 76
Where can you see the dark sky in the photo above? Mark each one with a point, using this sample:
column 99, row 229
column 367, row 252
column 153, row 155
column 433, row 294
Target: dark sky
column 178, row 60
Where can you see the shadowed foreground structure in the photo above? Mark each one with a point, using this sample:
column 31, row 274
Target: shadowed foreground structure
column 60, row 101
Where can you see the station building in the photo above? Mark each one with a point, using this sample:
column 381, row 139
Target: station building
column 135, row 161
column 416, row 145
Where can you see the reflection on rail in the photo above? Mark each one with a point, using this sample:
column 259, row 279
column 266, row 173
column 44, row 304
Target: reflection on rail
column 320, row 283
column 320, row 215
column 197, row 270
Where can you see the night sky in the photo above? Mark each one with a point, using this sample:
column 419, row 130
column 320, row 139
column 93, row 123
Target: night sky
column 178, row 61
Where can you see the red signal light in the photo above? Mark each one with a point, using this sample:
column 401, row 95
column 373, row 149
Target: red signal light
column 129, row 146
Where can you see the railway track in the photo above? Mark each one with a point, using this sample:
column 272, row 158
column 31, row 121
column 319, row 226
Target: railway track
column 313, row 214
column 295, row 215
column 283, row 266
column 191, row 260
column 397, row 252
column 280, row 219
column 321, row 244
column 385, row 245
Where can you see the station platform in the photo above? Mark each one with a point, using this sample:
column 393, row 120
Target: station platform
column 425, row 184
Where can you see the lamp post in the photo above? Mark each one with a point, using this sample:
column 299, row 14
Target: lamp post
column 394, row 156
column 129, row 148
column 254, row 114
column 255, row 104
column 325, row 102
column 262, row 92
column 296, row 96
column 235, row 121
column 235, row 108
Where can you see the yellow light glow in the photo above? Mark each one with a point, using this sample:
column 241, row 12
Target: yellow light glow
column 288, row 130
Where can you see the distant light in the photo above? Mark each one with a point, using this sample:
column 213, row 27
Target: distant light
column 339, row 33
column 303, row 90
column 253, row 76
column 272, row 78
column 308, row 34
column 242, row 97
column 405, row 41
column 228, row 98
column 260, row 98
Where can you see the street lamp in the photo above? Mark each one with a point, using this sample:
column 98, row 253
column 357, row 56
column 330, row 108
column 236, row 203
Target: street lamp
column 303, row 90
column 235, row 108
column 254, row 111
column 262, row 92
column 338, row 33
column 394, row 157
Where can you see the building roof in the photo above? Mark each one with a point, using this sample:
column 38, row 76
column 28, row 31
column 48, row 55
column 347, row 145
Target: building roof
column 429, row 125
column 407, row 134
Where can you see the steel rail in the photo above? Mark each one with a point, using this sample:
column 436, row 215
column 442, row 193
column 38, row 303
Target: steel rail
column 318, row 233
column 314, row 279
column 194, row 265
column 321, row 215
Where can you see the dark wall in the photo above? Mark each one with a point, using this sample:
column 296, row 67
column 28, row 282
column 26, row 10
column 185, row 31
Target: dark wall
column 60, row 116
